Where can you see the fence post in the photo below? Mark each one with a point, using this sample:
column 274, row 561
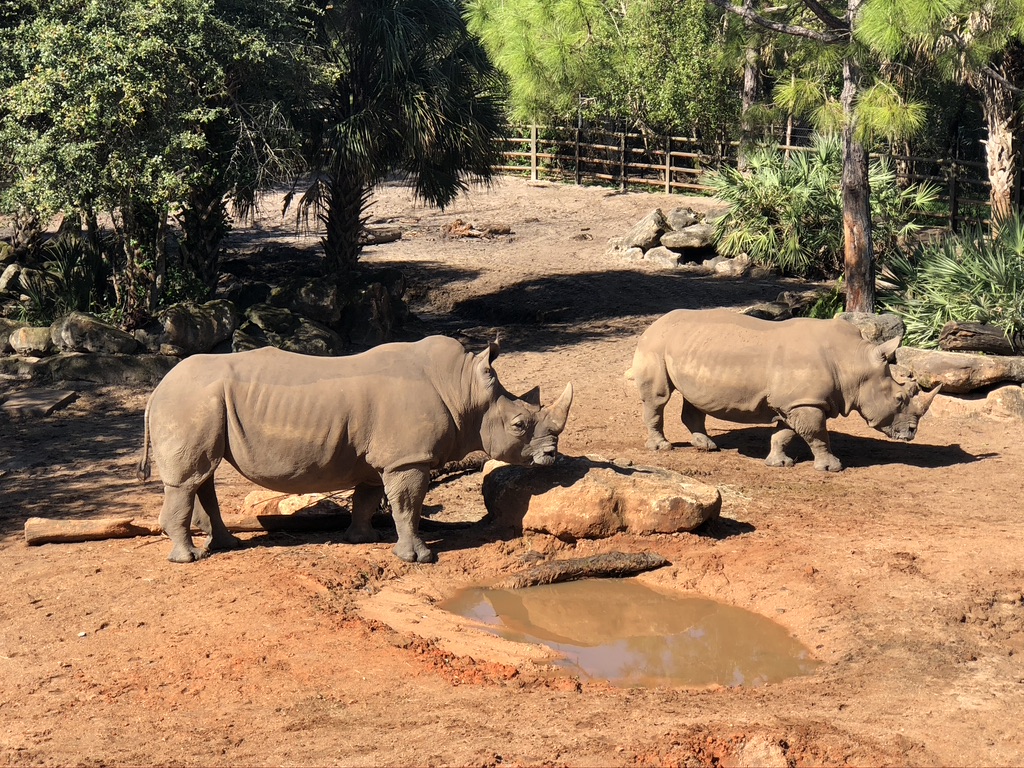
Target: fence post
column 622, row 160
column 577, row 169
column 533, row 153
column 668, row 165
column 953, row 206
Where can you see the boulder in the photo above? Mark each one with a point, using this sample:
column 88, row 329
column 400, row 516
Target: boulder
column 735, row 267
column 7, row 253
column 627, row 254
column 770, row 310
column 264, row 502
column 244, row 293
column 876, row 328
column 589, row 497
column 1004, row 402
column 681, row 218
column 959, row 372
column 7, row 327
column 693, row 238
column 81, row 332
column 315, row 299
column 269, row 326
column 662, row 256
column 646, row 232
column 10, row 278
column 31, row 341
column 188, row 329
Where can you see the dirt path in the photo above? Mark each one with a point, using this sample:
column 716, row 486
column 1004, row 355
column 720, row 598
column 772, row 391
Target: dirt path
column 902, row 574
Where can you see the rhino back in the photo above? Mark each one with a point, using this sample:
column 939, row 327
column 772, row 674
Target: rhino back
column 741, row 368
column 290, row 421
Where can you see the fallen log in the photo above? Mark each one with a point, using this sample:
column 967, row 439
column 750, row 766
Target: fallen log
column 44, row 530
column 978, row 337
column 610, row 565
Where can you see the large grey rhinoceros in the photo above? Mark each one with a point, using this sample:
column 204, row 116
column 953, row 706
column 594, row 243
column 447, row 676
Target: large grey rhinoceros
column 795, row 373
column 376, row 422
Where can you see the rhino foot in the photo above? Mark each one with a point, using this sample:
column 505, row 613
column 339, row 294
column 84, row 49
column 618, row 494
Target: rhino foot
column 659, row 444
column 703, row 443
column 417, row 553
column 828, row 464
column 186, row 554
column 225, row 542
column 782, row 460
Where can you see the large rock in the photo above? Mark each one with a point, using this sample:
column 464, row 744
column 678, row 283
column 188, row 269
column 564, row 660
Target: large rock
column 694, row 238
column 98, row 368
column 959, row 372
column 81, row 332
column 189, row 329
column 646, row 232
column 1005, row 402
column 316, row 299
column 267, row 325
column 681, row 218
column 876, row 328
column 589, row 498
column 663, row 257
column 31, row 341
column 9, row 278
column 7, row 327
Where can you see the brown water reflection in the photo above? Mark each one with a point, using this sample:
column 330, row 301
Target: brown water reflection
column 621, row 631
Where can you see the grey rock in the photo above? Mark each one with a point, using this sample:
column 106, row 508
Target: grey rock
column 646, row 232
column 663, row 257
column 959, row 372
column 267, row 325
column 626, row 254
column 876, row 328
column 590, row 497
column 697, row 237
column 9, row 278
column 681, row 218
column 81, row 332
column 98, row 368
column 315, row 299
column 189, row 329
column 735, row 267
column 31, row 341
column 7, row 327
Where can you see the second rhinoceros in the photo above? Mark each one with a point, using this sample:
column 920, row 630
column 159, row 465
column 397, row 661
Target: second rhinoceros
column 795, row 373
column 376, row 422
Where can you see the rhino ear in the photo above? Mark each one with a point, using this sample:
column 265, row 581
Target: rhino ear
column 558, row 411
column 532, row 397
column 886, row 351
column 483, row 363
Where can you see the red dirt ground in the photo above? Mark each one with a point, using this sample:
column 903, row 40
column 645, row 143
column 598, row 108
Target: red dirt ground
column 902, row 574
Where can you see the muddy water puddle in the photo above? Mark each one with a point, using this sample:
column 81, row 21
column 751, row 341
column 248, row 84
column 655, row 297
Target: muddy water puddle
column 624, row 632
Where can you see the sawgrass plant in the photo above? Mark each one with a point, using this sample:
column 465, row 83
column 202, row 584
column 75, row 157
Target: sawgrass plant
column 973, row 277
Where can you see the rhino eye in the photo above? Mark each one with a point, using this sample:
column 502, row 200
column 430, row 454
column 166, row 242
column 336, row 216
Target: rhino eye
column 518, row 425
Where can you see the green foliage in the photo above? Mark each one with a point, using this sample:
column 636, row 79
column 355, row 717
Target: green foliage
column 785, row 212
column 66, row 282
column 967, row 278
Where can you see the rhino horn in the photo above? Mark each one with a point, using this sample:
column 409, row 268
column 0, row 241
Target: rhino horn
column 886, row 351
column 558, row 411
column 924, row 400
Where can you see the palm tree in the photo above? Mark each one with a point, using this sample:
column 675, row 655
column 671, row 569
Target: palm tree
column 410, row 92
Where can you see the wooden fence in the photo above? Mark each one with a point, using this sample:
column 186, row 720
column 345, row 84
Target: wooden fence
column 676, row 164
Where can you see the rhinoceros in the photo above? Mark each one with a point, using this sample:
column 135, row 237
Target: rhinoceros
column 795, row 373
column 376, row 422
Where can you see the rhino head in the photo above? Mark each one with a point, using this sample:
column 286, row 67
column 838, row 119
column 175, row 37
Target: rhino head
column 901, row 402
column 519, row 430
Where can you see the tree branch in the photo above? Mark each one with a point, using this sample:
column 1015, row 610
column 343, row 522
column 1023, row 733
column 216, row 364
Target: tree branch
column 827, row 18
column 827, row 37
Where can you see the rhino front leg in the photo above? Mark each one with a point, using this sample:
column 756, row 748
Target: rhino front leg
column 694, row 421
column 365, row 501
column 405, row 489
column 175, row 519
column 780, row 439
column 809, row 423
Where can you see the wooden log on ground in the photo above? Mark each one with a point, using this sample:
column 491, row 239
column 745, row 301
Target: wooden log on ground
column 610, row 565
column 978, row 337
column 43, row 530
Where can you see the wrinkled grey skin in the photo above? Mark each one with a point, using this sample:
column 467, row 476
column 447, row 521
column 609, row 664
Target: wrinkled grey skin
column 795, row 373
column 377, row 422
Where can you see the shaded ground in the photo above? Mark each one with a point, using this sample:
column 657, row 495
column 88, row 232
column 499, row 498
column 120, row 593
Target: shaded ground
column 902, row 574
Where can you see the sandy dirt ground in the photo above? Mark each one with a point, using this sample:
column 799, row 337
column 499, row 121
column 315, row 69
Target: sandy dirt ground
column 902, row 574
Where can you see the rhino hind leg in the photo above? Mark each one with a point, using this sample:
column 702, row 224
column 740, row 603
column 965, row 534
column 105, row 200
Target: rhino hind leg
column 655, row 392
column 175, row 519
column 206, row 514
column 694, row 420
column 780, row 439
column 809, row 422
column 405, row 488
column 365, row 501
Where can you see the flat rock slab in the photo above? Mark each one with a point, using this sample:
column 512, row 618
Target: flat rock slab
column 38, row 402
column 592, row 498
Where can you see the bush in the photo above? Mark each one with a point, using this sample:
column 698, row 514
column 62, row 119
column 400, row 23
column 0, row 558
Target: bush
column 967, row 278
column 68, row 281
column 786, row 213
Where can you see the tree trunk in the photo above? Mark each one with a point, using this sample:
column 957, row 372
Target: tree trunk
column 346, row 200
column 751, row 89
column 1002, row 121
column 858, row 257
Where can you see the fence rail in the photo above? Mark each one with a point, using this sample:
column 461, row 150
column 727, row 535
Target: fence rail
column 675, row 164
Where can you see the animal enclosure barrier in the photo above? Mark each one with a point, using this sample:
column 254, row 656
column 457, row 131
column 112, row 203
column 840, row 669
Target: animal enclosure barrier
column 675, row 164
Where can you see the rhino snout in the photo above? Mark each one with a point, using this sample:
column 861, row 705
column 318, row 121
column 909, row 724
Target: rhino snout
column 546, row 457
column 905, row 432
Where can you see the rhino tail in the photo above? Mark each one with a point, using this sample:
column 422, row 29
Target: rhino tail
column 142, row 469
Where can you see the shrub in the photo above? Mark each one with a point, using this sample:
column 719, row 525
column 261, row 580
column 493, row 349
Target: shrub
column 68, row 280
column 786, row 212
column 967, row 278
